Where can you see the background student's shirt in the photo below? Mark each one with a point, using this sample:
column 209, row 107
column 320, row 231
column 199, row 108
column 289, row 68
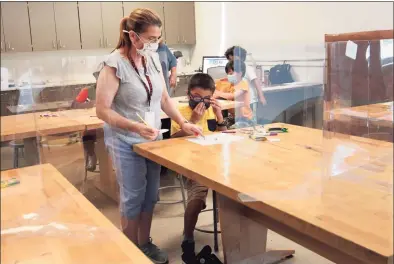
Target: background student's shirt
column 250, row 76
column 167, row 60
column 207, row 121
column 225, row 86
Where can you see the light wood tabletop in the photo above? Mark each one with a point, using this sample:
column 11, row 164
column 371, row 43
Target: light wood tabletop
column 33, row 124
column 334, row 196
column 45, row 220
column 379, row 112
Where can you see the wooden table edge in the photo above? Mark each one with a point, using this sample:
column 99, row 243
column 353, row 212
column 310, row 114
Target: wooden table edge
column 269, row 211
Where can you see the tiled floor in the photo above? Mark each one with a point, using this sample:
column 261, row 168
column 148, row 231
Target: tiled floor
column 168, row 220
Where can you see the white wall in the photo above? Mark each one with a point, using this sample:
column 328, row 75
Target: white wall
column 283, row 31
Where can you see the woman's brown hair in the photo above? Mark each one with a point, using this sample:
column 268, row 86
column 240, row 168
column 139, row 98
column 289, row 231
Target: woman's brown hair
column 138, row 21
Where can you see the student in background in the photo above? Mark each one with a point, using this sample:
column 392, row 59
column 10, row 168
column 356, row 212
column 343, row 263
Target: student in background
column 255, row 91
column 235, row 88
column 85, row 99
column 168, row 63
column 204, row 111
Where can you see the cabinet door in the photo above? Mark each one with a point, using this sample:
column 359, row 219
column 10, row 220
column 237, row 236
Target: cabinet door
column 2, row 35
column 188, row 27
column 16, row 27
column 158, row 7
column 67, row 25
column 112, row 14
column 42, row 23
column 172, row 22
column 91, row 25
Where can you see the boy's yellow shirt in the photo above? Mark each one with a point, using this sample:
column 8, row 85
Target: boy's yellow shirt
column 225, row 86
column 207, row 122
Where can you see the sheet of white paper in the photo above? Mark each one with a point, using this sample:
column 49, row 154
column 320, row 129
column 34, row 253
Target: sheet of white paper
column 271, row 139
column 351, row 50
column 218, row 138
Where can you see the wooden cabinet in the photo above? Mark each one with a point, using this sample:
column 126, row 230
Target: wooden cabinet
column 2, row 35
column 16, row 29
column 43, row 30
column 91, row 25
column 100, row 30
column 158, row 7
column 67, row 25
column 54, row 25
column 179, row 23
column 187, row 25
column 112, row 14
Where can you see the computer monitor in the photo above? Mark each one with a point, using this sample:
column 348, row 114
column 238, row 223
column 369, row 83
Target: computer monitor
column 214, row 66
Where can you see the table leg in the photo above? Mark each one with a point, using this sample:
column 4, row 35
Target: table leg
column 244, row 240
column 107, row 183
column 32, row 156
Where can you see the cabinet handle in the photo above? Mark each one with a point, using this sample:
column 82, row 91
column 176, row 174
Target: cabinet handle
column 184, row 40
column 100, row 41
column 106, row 42
column 1, row 45
column 178, row 39
column 60, row 44
column 53, row 44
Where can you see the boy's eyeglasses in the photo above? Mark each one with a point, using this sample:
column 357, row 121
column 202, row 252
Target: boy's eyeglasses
column 200, row 99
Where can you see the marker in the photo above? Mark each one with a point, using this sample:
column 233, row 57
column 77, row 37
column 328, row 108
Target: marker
column 228, row 132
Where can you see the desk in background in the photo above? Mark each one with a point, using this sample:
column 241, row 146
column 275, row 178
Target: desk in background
column 374, row 120
column 286, row 100
column 45, row 220
column 346, row 217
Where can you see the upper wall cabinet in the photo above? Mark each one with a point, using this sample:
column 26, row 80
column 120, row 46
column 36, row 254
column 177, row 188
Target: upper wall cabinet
column 158, row 7
column 43, row 30
column 112, row 14
column 100, row 30
column 15, row 26
column 54, row 25
column 179, row 23
column 67, row 25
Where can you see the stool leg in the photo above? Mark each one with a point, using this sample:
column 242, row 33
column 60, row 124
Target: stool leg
column 16, row 158
column 215, row 223
column 182, row 191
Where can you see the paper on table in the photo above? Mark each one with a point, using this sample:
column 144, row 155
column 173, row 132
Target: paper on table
column 214, row 139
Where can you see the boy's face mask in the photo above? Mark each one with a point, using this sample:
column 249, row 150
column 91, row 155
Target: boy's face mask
column 232, row 78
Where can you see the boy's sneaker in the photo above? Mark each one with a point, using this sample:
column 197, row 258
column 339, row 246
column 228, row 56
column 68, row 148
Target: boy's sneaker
column 154, row 253
column 188, row 252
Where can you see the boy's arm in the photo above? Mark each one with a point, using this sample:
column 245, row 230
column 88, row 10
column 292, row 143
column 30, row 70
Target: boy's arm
column 228, row 96
column 259, row 89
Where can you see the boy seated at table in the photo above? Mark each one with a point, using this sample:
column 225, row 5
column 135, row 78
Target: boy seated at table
column 86, row 99
column 235, row 87
column 205, row 111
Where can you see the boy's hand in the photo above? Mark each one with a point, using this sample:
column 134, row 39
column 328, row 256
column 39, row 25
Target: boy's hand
column 198, row 113
column 262, row 100
column 217, row 110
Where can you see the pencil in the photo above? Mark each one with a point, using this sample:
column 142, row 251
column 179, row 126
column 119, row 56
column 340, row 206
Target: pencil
column 143, row 120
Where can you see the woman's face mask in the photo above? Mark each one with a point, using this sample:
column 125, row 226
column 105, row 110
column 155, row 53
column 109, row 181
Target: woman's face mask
column 148, row 47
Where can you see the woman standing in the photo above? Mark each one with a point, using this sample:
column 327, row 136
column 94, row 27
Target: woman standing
column 131, row 84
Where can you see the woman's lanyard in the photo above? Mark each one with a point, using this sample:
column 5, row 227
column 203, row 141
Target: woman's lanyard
column 149, row 91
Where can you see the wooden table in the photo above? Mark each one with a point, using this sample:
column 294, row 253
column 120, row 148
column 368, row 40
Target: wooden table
column 45, row 220
column 307, row 189
column 365, row 121
column 29, row 127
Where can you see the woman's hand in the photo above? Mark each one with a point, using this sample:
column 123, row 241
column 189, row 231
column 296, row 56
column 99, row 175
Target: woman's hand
column 147, row 132
column 191, row 129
